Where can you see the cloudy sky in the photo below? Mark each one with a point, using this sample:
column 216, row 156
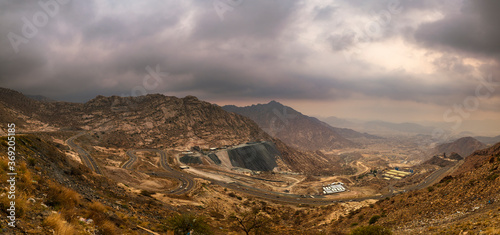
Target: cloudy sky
column 407, row 60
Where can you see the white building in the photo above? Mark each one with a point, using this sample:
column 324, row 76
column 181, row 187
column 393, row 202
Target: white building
column 335, row 187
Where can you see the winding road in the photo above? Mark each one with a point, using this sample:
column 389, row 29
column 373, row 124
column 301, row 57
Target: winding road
column 187, row 182
column 84, row 155
column 128, row 164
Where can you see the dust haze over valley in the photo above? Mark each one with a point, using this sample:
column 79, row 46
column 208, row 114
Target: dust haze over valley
column 250, row 117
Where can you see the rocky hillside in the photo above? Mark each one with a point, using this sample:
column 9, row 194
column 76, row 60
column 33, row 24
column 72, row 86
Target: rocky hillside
column 146, row 121
column 463, row 146
column 466, row 201
column 296, row 129
column 56, row 195
column 152, row 121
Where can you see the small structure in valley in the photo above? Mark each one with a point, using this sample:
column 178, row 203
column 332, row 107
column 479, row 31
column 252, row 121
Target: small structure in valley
column 335, row 187
column 395, row 174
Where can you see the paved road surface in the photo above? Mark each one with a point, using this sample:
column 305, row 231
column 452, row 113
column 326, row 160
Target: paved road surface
column 321, row 200
column 128, row 164
column 84, row 156
column 187, row 183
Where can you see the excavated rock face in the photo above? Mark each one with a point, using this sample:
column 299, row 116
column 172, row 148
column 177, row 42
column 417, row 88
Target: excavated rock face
column 455, row 156
column 254, row 156
column 186, row 159
column 214, row 158
column 438, row 161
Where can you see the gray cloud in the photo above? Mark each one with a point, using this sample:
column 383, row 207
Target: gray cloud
column 473, row 30
column 257, row 51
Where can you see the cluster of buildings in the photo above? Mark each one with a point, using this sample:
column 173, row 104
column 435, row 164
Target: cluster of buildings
column 395, row 174
column 335, row 187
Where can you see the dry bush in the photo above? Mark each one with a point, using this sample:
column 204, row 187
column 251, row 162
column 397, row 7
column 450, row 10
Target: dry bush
column 216, row 209
column 108, row 227
column 97, row 212
column 25, row 180
column 60, row 226
column 98, row 207
column 59, row 196
column 4, row 164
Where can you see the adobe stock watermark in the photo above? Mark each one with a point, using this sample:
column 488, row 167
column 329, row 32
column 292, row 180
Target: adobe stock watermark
column 49, row 9
column 372, row 30
column 462, row 111
column 150, row 82
column 223, row 6
column 279, row 121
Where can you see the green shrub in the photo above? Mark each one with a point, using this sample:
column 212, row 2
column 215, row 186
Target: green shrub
column 184, row 223
column 374, row 219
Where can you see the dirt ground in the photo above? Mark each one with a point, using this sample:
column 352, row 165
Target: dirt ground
column 134, row 180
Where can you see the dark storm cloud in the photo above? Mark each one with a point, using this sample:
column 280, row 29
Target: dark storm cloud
column 251, row 19
column 383, row 19
column 91, row 48
column 475, row 30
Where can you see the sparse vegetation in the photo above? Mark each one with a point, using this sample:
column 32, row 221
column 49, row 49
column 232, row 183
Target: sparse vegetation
column 492, row 176
column 371, row 230
column 59, row 225
column 253, row 220
column 374, row 219
column 184, row 223
column 62, row 197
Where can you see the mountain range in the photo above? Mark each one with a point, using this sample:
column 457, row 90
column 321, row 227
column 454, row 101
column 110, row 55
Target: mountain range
column 297, row 129
column 151, row 121
column 380, row 127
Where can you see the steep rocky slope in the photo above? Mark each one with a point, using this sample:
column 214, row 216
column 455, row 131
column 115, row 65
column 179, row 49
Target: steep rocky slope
column 296, row 129
column 146, row 121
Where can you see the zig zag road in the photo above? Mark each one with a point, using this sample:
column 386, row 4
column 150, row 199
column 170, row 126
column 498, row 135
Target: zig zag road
column 131, row 161
column 84, row 156
column 187, row 182
column 319, row 200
